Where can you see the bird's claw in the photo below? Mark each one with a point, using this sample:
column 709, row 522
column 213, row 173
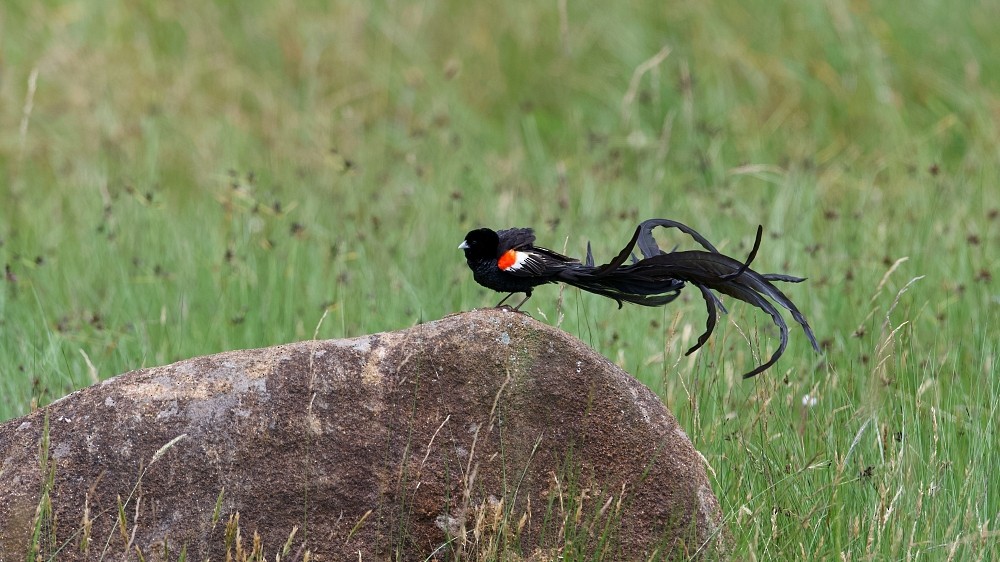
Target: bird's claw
column 510, row 308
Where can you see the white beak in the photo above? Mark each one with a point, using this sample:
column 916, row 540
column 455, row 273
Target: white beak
column 463, row 246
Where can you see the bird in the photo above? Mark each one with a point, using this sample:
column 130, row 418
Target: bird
column 508, row 261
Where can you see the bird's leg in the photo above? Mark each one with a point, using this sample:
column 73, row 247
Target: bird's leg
column 527, row 295
column 499, row 304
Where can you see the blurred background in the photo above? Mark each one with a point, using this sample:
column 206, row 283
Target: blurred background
column 184, row 178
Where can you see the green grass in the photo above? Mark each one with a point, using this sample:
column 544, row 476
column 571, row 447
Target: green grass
column 185, row 178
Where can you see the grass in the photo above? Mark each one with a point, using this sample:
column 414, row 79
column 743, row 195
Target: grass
column 180, row 179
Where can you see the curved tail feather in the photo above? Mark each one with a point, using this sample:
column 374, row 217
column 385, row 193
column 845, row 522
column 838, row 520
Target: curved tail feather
column 658, row 277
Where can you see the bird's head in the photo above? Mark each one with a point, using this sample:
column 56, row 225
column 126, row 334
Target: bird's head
column 481, row 243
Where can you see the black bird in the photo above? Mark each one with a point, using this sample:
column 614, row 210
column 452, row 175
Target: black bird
column 508, row 262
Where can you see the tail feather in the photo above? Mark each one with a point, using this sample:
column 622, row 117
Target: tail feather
column 712, row 303
column 656, row 299
column 623, row 285
column 647, row 244
column 721, row 273
column 658, row 277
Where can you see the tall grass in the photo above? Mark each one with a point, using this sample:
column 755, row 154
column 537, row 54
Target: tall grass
column 185, row 178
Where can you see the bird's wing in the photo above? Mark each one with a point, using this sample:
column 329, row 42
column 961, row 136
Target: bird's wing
column 534, row 262
column 515, row 239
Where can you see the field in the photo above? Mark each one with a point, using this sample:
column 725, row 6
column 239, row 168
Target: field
column 184, row 178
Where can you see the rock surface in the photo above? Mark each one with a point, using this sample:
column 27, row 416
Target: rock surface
column 485, row 432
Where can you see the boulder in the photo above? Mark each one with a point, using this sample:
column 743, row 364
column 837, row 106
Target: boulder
column 484, row 435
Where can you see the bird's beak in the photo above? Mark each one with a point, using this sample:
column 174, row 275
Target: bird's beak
column 463, row 246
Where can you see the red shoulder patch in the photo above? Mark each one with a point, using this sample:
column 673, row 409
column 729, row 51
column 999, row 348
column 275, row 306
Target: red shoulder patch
column 508, row 259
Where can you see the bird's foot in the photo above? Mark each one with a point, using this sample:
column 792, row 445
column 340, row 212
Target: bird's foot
column 510, row 308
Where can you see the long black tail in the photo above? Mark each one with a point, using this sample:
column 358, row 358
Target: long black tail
column 658, row 277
